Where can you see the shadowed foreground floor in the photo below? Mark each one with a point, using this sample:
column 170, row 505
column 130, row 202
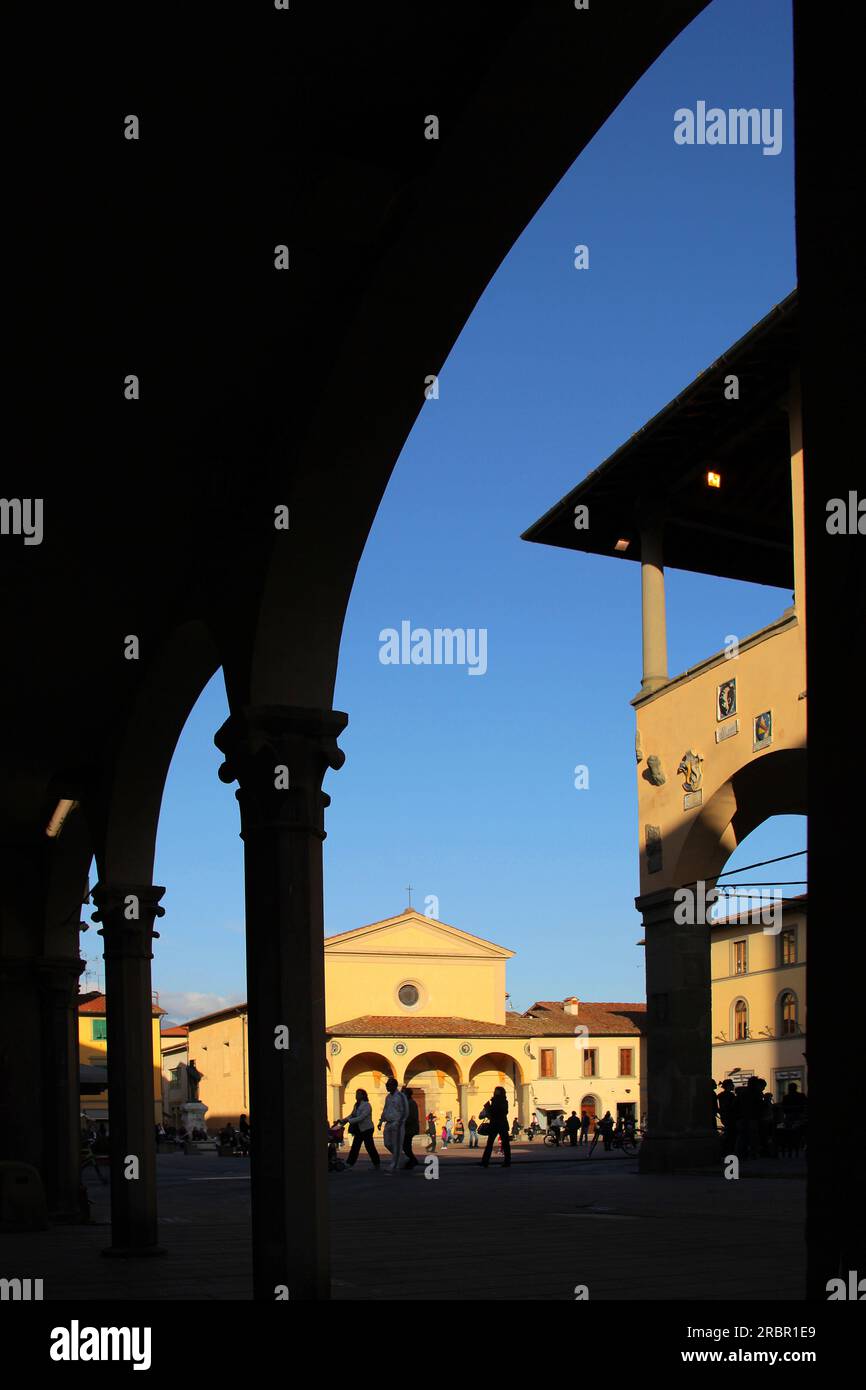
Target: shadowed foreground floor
column 552, row 1221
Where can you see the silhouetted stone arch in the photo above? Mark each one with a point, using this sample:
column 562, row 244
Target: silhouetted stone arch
column 124, row 810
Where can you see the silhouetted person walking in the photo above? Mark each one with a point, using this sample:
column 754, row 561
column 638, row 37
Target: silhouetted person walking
column 750, row 1109
column 584, row 1128
column 572, row 1125
column 497, row 1118
column 728, row 1117
column 605, row 1129
column 360, row 1124
column 395, row 1112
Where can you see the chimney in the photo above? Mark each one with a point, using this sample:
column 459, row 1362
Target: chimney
column 571, row 1005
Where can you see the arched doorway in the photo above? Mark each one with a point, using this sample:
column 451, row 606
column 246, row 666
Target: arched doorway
column 366, row 1071
column 679, row 928
column 759, row 954
column 489, row 1071
column 589, row 1106
column 436, row 1081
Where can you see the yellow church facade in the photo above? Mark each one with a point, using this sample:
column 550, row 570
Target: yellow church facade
column 426, row 1002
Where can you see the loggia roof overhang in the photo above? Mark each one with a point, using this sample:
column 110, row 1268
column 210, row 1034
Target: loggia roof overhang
column 740, row 529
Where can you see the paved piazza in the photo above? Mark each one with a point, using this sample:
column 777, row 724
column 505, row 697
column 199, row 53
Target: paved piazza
column 554, row 1220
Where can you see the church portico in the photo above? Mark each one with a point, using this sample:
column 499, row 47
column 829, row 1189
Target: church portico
column 453, row 1062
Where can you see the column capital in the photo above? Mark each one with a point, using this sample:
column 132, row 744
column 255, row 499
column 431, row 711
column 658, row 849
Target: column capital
column 279, row 755
column 55, row 971
column 657, row 906
column 59, row 973
column 127, row 912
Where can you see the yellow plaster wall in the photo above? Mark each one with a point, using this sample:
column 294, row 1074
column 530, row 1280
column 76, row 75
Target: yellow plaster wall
column 93, row 1052
column 770, row 674
column 457, row 976
column 767, row 1050
column 221, row 1053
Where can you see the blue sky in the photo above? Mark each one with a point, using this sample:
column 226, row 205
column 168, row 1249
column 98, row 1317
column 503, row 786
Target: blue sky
column 463, row 785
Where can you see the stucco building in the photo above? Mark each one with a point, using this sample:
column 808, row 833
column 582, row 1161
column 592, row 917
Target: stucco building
column 93, row 1057
column 415, row 998
column 759, row 998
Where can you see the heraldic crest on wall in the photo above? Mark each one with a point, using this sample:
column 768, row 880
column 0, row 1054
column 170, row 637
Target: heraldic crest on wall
column 690, row 767
column 726, row 699
column 763, row 731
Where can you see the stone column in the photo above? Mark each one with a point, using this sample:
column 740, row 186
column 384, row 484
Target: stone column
column 655, row 640
column 463, row 1101
column 524, row 1102
column 61, row 1122
column 22, row 1109
column 680, row 1128
column 127, row 912
column 337, row 1102
column 279, row 756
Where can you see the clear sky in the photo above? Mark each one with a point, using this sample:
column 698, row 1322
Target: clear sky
column 464, row 785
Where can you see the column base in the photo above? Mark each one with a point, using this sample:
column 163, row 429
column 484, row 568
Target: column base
column 678, row 1153
column 132, row 1252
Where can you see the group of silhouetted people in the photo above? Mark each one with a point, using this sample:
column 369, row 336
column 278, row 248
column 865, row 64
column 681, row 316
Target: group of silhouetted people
column 756, row 1126
column 401, row 1123
column 236, row 1140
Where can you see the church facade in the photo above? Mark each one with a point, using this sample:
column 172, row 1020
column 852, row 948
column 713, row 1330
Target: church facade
column 425, row 1002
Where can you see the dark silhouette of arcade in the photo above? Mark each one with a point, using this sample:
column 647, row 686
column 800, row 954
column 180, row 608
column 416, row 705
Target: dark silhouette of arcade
column 256, row 388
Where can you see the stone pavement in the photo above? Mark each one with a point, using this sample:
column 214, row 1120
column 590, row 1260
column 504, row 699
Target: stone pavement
column 553, row 1221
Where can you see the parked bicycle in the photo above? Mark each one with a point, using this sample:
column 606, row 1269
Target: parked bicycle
column 624, row 1140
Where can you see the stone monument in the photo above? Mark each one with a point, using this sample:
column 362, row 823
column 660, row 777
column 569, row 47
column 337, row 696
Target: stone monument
column 193, row 1116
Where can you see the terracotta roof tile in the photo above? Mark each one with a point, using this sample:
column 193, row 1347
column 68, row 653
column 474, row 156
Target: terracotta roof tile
column 95, row 1003
column 417, row 1026
column 600, row 1019
column 550, row 1020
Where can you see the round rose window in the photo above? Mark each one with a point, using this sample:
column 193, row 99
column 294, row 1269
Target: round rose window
column 408, row 995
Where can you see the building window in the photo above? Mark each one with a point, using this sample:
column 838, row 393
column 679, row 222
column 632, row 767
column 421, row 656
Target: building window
column 626, row 1061
column 783, row 1079
column 590, row 1061
column 788, row 1012
column 99, row 1027
column 741, row 1020
column 740, row 962
column 174, row 1077
column 548, row 1061
column 408, row 995
column 788, row 946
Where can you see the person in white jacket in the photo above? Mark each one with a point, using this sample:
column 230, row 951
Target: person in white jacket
column 361, row 1130
column 394, row 1116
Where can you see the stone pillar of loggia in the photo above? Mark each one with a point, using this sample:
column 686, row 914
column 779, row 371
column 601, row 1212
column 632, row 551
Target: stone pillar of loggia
column 57, row 979
column 463, row 1102
column 681, row 1132
column 654, row 625
column 127, row 912
column 524, row 1103
column 279, row 756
